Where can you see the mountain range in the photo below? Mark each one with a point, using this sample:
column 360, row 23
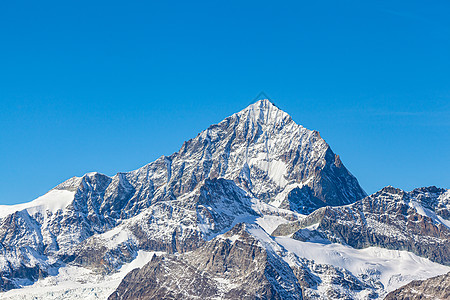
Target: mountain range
column 254, row 207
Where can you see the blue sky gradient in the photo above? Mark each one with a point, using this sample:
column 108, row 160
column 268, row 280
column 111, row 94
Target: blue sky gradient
column 109, row 86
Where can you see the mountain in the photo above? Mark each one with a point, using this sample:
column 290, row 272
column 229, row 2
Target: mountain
column 259, row 150
column 201, row 212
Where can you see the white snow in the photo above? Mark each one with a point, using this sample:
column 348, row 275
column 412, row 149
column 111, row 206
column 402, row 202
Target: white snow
column 53, row 201
column 265, row 111
column 276, row 169
column 393, row 268
column 281, row 196
column 270, row 223
column 77, row 283
column 287, row 189
column 396, row 268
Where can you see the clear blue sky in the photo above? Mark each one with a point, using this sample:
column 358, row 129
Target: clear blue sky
column 109, row 86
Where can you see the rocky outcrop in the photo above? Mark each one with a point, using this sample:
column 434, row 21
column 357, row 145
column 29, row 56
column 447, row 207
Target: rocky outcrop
column 289, row 228
column 436, row 288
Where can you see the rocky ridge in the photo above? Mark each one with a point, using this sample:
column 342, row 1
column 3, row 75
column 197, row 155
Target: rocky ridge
column 415, row 221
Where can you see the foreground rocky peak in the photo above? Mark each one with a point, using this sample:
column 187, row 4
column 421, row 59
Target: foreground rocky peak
column 234, row 266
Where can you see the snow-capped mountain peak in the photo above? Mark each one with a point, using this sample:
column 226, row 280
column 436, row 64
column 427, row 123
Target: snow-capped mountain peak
column 177, row 202
column 264, row 112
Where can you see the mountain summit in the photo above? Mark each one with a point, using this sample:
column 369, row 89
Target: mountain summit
column 264, row 151
column 263, row 112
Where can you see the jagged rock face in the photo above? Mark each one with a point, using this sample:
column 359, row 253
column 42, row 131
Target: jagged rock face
column 390, row 218
column 260, row 149
column 436, row 288
column 234, row 266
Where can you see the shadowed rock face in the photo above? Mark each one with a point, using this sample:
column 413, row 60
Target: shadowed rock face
column 390, row 218
column 436, row 288
column 328, row 186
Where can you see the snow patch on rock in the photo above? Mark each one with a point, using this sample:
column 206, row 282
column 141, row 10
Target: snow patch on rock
column 52, row 201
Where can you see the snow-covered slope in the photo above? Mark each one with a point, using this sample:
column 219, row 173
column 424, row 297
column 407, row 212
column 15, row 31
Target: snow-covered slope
column 51, row 202
column 391, row 268
column 72, row 282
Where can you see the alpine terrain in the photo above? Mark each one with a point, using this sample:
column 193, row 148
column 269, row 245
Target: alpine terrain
column 254, row 207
